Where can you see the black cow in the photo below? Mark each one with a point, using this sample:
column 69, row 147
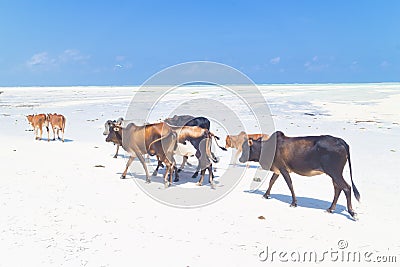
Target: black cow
column 188, row 120
column 307, row 156
column 202, row 122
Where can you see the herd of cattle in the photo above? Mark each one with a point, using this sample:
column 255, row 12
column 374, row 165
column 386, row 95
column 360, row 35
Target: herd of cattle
column 188, row 136
column 56, row 121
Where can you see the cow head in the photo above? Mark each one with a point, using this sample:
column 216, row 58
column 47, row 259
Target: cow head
column 115, row 134
column 251, row 150
column 107, row 126
column 228, row 142
column 111, row 123
column 30, row 119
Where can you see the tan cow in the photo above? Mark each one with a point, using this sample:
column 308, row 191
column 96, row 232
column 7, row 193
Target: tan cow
column 154, row 139
column 236, row 141
column 37, row 122
column 57, row 123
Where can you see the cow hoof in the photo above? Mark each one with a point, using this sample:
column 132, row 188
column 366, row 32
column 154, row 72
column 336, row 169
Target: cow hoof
column 199, row 184
column 115, row 157
column 166, row 184
column 354, row 215
column 179, row 170
column 154, row 173
column 176, row 180
column 148, row 181
column 195, row 175
column 123, row 177
column 293, row 205
column 212, row 185
column 267, row 196
column 330, row 211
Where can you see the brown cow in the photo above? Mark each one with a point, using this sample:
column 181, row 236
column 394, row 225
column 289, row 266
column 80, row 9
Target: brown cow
column 153, row 139
column 184, row 133
column 203, row 151
column 57, row 123
column 37, row 122
column 236, row 141
column 307, row 156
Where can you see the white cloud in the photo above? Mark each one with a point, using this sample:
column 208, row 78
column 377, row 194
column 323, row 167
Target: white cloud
column 121, row 62
column 118, row 66
column 40, row 59
column 72, row 55
column 275, row 60
column 315, row 65
column 44, row 61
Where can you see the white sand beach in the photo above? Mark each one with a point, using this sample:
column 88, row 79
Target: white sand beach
column 64, row 204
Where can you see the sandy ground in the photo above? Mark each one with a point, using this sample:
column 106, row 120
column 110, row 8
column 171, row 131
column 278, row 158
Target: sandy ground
column 59, row 209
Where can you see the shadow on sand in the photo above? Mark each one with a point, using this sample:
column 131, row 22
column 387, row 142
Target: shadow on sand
column 56, row 140
column 307, row 202
column 185, row 176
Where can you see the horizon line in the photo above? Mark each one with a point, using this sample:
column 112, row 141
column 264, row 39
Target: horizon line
column 199, row 84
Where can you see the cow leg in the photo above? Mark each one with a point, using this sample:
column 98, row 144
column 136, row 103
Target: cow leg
column 142, row 160
column 197, row 171
column 176, row 174
column 337, row 190
column 211, row 176
column 238, row 152
column 267, row 194
column 116, row 153
column 41, row 133
column 289, row 183
column 54, row 133
column 184, row 161
column 62, row 131
column 167, row 171
column 48, row 134
column 202, row 173
column 36, row 133
column 159, row 164
column 343, row 185
column 123, row 176
column 171, row 173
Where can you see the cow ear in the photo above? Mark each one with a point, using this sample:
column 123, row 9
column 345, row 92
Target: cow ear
column 116, row 129
column 250, row 142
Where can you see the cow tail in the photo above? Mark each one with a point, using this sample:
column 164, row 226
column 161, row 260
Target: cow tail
column 158, row 139
column 217, row 138
column 208, row 149
column 64, row 121
column 355, row 191
column 47, row 121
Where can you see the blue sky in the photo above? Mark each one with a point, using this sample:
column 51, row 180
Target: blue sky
column 125, row 42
